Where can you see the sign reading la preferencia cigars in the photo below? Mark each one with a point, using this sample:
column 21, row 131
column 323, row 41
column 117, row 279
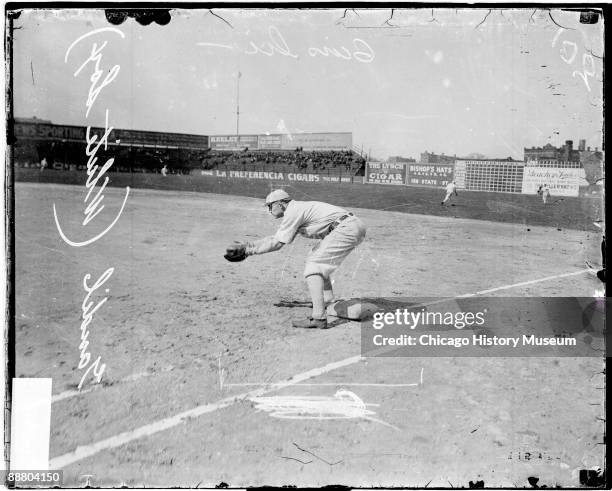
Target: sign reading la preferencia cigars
column 275, row 176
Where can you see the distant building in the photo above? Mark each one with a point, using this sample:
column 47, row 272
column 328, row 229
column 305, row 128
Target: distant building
column 592, row 162
column 566, row 153
column 432, row 158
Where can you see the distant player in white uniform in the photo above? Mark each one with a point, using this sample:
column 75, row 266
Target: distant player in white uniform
column 545, row 194
column 451, row 188
column 340, row 232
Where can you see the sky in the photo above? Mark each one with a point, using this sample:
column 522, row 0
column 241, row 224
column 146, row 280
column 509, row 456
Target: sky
column 453, row 81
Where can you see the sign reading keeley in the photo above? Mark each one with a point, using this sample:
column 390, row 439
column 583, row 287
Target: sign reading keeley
column 561, row 182
column 436, row 175
column 233, row 142
column 385, row 173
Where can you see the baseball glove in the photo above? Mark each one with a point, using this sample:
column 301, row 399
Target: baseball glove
column 236, row 252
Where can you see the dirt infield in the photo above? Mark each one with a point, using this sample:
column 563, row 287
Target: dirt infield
column 185, row 333
column 562, row 212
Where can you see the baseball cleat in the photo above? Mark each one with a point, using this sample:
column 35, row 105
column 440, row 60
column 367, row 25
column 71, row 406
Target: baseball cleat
column 310, row 323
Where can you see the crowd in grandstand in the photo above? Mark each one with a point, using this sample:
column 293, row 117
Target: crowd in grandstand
column 185, row 161
column 318, row 161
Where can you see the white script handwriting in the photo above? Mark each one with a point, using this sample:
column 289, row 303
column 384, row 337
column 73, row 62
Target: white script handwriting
column 360, row 51
column 93, row 200
column 95, row 57
column 568, row 52
column 93, row 207
column 87, row 316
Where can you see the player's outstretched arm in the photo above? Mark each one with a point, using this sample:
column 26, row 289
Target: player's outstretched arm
column 239, row 251
column 262, row 246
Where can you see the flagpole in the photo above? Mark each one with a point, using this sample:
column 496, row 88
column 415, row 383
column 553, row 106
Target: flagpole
column 238, row 104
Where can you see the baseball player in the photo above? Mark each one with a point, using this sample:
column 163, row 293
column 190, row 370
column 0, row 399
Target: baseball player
column 340, row 232
column 451, row 188
column 545, row 193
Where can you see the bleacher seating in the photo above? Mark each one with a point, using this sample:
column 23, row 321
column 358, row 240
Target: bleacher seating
column 324, row 162
column 186, row 161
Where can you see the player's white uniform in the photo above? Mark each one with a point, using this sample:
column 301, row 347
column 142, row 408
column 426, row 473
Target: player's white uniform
column 450, row 189
column 313, row 219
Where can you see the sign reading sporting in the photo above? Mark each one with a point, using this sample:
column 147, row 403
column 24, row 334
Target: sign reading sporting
column 385, row 173
column 77, row 134
column 436, row 175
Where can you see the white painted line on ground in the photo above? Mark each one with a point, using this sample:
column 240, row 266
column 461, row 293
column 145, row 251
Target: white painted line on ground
column 524, row 283
column 130, row 378
column 85, row 451
column 72, row 393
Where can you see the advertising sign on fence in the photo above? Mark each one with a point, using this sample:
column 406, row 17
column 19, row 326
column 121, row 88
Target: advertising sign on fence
column 385, row 173
column 318, row 141
column 436, row 175
column 274, row 176
column 49, row 131
column 233, row 142
column 38, row 131
column 270, row 142
column 561, row 182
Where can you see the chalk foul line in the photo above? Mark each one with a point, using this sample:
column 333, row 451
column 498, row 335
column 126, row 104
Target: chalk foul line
column 85, row 451
column 525, row 283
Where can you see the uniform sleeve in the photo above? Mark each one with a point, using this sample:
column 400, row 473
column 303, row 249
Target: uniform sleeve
column 289, row 226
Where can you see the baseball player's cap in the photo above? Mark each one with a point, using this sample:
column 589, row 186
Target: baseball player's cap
column 276, row 195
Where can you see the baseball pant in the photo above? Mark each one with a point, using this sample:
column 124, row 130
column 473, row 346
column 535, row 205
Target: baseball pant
column 328, row 254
